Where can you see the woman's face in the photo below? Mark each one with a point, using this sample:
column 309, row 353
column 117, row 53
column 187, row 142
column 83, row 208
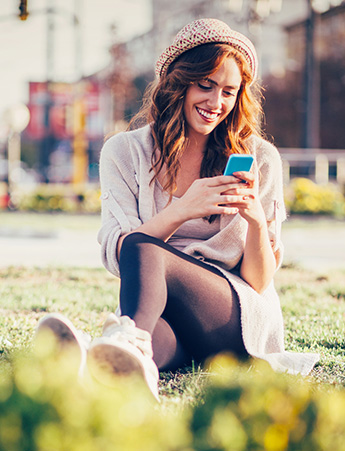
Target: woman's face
column 208, row 102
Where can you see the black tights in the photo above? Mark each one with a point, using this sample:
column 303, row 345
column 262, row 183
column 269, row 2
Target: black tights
column 189, row 307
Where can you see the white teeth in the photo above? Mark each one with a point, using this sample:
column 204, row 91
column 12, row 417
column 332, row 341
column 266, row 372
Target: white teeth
column 207, row 115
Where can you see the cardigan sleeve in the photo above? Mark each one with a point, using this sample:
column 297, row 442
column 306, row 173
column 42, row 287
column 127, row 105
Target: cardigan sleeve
column 119, row 198
column 272, row 193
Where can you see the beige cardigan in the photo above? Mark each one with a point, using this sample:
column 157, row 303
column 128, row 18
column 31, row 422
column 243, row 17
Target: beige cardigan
column 128, row 202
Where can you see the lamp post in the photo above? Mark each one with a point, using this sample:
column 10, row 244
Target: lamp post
column 17, row 119
column 311, row 88
column 79, row 142
column 311, row 119
column 23, row 10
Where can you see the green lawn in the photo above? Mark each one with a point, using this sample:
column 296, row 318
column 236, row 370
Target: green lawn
column 41, row 408
column 313, row 303
column 313, row 306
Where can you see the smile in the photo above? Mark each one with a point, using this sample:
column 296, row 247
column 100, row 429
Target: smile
column 207, row 115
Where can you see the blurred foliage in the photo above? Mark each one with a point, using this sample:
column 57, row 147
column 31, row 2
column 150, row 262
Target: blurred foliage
column 303, row 196
column 57, row 198
column 43, row 406
column 257, row 409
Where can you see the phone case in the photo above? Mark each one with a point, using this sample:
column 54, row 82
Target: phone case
column 238, row 162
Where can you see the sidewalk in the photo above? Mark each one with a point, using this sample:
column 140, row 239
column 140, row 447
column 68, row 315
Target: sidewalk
column 61, row 248
column 315, row 245
column 315, row 248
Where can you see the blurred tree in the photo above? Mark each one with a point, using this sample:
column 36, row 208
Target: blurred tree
column 134, row 103
column 121, row 84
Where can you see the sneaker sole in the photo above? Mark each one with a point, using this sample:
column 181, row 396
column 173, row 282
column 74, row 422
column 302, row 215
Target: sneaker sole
column 107, row 361
column 65, row 337
column 63, row 331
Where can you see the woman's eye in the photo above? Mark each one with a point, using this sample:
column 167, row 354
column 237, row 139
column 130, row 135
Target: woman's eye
column 228, row 93
column 205, row 87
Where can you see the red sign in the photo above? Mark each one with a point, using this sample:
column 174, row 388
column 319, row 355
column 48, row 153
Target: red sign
column 59, row 101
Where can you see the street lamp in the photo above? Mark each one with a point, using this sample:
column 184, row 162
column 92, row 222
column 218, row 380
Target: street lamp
column 17, row 119
column 311, row 122
column 23, row 10
column 46, row 144
column 311, row 119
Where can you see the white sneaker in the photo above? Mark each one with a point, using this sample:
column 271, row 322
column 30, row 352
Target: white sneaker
column 123, row 349
column 67, row 337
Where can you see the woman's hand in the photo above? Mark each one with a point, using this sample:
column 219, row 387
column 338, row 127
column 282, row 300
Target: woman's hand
column 203, row 198
column 244, row 197
column 258, row 262
column 209, row 196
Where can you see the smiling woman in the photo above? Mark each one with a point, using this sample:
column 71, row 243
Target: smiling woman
column 208, row 102
column 196, row 250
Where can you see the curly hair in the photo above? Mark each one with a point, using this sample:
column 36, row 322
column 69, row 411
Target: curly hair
column 163, row 109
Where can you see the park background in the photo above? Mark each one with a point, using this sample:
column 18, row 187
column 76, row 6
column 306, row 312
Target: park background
column 76, row 71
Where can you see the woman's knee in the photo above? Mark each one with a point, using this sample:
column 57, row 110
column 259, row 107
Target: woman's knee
column 131, row 241
column 135, row 238
column 137, row 244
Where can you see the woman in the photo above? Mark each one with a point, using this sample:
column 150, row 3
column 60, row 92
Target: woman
column 196, row 251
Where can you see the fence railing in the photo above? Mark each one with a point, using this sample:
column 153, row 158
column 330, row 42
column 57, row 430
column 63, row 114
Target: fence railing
column 320, row 165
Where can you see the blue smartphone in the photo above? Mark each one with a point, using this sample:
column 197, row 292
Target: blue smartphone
column 238, row 162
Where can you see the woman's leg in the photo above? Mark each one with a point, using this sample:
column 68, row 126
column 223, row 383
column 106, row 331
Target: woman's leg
column 189, row 307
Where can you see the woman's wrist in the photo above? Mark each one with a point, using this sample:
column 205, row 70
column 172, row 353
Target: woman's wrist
column 174, row 214
column 259, row 223
column 179, row 211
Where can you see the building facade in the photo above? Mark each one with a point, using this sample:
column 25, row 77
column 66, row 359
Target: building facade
column 313, row 86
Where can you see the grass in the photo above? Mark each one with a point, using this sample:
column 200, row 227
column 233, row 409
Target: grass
column 314, row 309
column 313, row 305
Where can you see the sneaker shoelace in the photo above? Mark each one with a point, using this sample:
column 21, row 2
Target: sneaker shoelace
column 84, row 338
column 125, row 330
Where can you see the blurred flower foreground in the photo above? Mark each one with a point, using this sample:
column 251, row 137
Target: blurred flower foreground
column 44, row 407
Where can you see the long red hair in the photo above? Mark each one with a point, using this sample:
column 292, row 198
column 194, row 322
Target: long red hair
column 163, row 109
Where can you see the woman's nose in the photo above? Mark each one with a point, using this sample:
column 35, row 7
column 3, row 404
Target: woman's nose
column 215, row 99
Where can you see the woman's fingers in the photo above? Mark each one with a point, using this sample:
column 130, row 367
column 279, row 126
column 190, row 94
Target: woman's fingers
column 224, row 210
column 247, row 177
column 223, row 183
column 236, row 178
column 217, row 195
column 221, row 180
column 236, row 199
column 229, row 199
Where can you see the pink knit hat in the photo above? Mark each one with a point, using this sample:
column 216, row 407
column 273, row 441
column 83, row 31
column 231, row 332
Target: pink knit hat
column 204, row 31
